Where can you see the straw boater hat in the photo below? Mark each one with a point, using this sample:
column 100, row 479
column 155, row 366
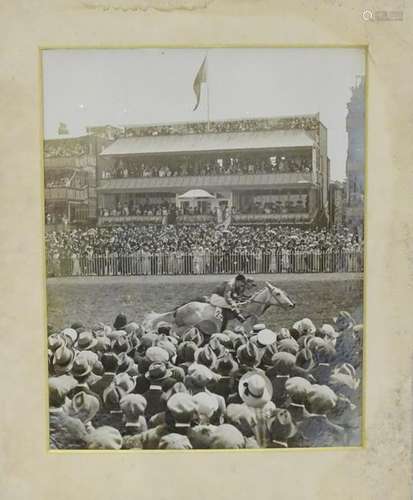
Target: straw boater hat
column 255, row 389
column 266, row 337
column 258, row 327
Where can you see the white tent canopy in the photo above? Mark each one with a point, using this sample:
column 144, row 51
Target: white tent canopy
column 196, row 194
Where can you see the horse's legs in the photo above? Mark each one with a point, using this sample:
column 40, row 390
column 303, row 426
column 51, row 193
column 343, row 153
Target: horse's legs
column 227, row 315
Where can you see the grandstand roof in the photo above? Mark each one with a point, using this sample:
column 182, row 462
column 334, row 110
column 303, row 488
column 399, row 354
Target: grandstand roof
column 213, row 182
column 209, row 142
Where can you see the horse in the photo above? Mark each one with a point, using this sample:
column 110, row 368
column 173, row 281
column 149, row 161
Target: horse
column 208, row 316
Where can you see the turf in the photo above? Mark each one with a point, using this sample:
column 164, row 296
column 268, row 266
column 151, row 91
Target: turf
column 90, row 300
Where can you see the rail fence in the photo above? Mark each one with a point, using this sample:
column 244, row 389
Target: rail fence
column 175, row 263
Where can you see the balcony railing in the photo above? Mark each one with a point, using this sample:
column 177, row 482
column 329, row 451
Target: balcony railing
column 66, row 194
column 290, row 218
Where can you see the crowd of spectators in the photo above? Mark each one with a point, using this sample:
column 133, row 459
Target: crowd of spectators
column 199, row 249
column 127, row 238
column 65, row 149
column 285, row 163
column 128, row 387
column 247, row 125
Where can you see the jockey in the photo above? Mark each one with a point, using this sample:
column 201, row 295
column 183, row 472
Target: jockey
column 233, row 292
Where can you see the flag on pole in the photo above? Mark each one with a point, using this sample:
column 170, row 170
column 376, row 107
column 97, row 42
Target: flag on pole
column 201, row 77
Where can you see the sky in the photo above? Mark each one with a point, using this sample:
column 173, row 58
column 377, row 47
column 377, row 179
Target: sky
column 83, row 87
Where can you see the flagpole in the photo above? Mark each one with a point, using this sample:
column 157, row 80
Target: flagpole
column 207, row 86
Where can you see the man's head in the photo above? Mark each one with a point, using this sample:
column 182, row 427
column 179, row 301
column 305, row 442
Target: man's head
column 240, row 282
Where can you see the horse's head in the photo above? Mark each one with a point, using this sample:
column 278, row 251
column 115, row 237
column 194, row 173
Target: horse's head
column 279, row 297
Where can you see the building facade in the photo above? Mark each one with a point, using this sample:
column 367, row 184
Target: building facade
column 271, row 170
column 355, row 165
column 70, row 180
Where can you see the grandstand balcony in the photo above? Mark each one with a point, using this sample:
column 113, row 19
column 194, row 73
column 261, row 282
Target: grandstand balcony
column 213, row 182
column 62, row 193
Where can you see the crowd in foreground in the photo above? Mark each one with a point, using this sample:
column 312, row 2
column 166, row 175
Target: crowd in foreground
column 120, row 386
column 126, row 239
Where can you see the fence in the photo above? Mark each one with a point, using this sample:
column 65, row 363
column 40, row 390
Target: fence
column 175, row 263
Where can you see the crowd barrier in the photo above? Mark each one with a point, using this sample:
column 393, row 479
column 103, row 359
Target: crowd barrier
column 175, row 263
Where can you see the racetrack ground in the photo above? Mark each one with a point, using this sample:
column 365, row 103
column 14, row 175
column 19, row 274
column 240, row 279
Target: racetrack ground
column 93, row 299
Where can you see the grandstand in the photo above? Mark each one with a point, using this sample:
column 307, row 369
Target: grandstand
column 268, row 170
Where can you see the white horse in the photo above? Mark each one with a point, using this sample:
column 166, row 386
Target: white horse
column 208, row 316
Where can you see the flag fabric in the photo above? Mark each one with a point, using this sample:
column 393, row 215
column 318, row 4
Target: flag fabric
column 201, row 77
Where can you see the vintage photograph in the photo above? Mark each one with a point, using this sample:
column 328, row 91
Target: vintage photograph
column 204, row 247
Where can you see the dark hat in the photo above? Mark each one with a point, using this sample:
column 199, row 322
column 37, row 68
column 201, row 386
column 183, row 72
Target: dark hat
column 158, row 372
column 206, row 356
column 281, row 425
column 121, row 344
column 266, row 358
column 120, row 321
column 126, row 363
column 248, row 354
column 78, row 326
column 110, row 362
column 86, row 341
column 164, row 328
column 186, row 351
column 226, row 365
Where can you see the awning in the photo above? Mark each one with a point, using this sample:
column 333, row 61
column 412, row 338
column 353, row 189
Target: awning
column 192, row 143
column 196, row 194
column 210, row 183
